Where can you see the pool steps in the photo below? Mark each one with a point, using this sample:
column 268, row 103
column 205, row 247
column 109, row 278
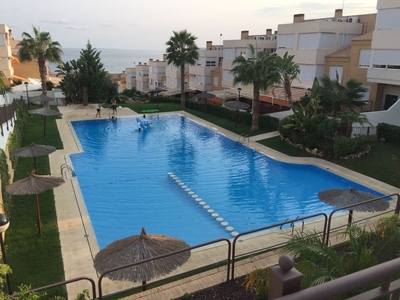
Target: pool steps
column 200, row 201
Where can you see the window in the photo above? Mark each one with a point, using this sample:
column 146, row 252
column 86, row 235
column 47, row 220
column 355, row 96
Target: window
column 308, row 41
column 240, row 52
column 228, row 53
column 345, row 39
column 364, row 59
column 326, row 40
column 386, row 59
column 227, row 75
column 365, row 97
column 215, row 81
column 210, row 63
column 286, row 41
column 388, row 19
column 335, row 72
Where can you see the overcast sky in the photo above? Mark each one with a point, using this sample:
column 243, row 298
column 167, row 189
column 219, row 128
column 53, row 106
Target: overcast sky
column 134, row 24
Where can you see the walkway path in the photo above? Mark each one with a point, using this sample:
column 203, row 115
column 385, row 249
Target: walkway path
column 78, row 241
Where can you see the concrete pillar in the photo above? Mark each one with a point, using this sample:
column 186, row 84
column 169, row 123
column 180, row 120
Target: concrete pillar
column 284, row 278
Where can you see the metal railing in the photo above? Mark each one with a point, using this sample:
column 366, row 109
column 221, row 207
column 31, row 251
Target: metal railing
column 340, row 286
column 270, row 227
column 328, row 229
column 61, row 283
column 166, row 255
column 231, row 249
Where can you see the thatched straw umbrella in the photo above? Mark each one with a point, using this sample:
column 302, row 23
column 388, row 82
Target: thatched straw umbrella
column 34, row 185
column 45, row 111
column 345, row 197
column 34, row 151
column 41, row 98
column 137, row 248
column 236, row 105
column 156, row 91
column 205, row 96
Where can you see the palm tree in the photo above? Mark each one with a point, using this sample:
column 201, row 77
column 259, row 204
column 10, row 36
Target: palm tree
column 320, row 262
column 260, row 70
column 39, row 47
column 288, row 71
column 337, row 97
column 182, row 50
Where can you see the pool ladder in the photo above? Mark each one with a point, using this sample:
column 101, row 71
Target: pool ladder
column 242, row 138
column 292, row 223
column 64, row 168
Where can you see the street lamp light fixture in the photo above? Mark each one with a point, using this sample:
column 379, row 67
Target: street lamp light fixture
column 4, row 223
column 27, row 96
column 239, row 90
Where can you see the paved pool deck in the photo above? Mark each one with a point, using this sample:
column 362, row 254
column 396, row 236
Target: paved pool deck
column 78, row 241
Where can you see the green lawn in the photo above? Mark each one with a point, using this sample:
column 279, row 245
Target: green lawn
column 382, row 163
column 36, row 260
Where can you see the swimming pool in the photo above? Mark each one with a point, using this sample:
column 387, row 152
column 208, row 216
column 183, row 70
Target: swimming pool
column 131, row 180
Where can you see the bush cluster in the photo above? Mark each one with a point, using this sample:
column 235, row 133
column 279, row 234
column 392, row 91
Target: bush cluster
column 16, row 136
column 321, row 133
column 389, row 133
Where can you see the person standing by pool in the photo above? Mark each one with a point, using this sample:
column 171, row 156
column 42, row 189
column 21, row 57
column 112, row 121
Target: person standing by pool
column 114, row 105
column 98, row 108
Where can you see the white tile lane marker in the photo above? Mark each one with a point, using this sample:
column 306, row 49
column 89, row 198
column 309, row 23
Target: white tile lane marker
column 203, row 203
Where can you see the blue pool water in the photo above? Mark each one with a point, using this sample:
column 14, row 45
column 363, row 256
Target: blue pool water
column 123, row 176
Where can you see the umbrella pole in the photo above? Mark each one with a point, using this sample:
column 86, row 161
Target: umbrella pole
column 38, row 214
column 34, row 164
column 144, row 285
column 350, row 216
column 44, row 129
column 157, row 99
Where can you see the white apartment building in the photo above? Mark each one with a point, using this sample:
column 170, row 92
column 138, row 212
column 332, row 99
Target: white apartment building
column 130, row 78
column 142, row 77
column 235, row 48
column 5, row 53
column 199, row 76
column 157, row 71
column 383, row 61
column 310, row 41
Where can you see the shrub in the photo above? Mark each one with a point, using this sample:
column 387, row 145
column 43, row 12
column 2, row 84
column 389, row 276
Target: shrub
column 16, row 136
column 5, row 180
column 258, row 282
column 344, row 146
column 390, row 133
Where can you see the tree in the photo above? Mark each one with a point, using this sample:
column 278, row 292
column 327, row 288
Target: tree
column 181, row 50
column 320, row 262
column 86, row 72
column 288, row 71
column 42, row 48
column 260, row 70
column 70, row 83
column 337, row 97
column 92, row 74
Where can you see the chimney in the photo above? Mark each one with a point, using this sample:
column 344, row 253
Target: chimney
column 298, row 18
column 338, row 13
column 269, row 31
column 244, row 34
column 208, row 45
column 150, row 59
column 164, row 57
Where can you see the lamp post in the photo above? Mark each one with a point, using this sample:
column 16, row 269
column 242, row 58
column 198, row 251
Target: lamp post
column 27, row 96
column 4, row 223
column 239, row 90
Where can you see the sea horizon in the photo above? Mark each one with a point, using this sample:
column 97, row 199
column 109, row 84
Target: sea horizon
column 114, row 60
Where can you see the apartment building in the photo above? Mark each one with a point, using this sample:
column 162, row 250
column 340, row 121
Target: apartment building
column 130, row 78
column 199, row 75
column 235, row 48
column 142, row 77
column 173, row 77
column 6, row 58
column 310, row 41
column 157, row 72
column 383, row 61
